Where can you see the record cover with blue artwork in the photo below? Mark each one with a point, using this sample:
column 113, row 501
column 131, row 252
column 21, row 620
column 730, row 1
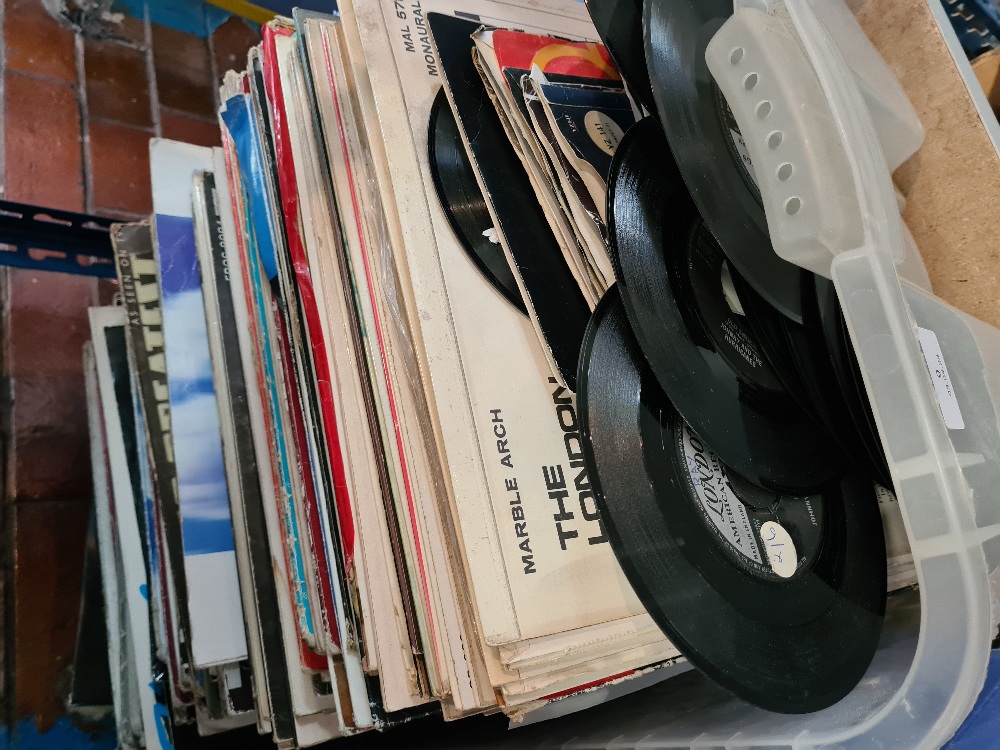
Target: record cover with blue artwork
column 214, row 605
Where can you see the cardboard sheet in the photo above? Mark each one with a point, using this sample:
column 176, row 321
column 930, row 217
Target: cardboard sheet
column 951, row 185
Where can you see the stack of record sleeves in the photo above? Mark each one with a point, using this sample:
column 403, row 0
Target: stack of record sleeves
column 465, row 379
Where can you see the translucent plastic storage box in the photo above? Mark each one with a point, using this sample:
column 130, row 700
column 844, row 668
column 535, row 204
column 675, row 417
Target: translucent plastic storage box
column 934, row 653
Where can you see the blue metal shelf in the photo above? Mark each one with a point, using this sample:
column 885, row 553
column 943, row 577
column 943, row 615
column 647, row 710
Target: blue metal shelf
column 44, row 239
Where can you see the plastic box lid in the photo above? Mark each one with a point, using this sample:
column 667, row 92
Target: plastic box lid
column 941, row 436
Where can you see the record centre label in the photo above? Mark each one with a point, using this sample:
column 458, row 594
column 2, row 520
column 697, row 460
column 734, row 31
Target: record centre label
column 744, row 154
column 763, row 533
column 710, row 485
column 780, row 549
column 736, row 144
column 603, row 131
column 727, row 327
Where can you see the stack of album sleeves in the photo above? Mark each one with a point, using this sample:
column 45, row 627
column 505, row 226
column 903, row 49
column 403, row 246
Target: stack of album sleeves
column 464, row 379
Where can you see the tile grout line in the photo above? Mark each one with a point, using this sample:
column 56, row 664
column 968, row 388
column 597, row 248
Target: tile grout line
column 154, row 93
column 3, row 102
column 44, row 78
column 189, row 115
column 120, row 124
column 85, row 155
column 8, row 686
column 213, row 64
column 86, row 161
column 7, row 654
column 124, row 42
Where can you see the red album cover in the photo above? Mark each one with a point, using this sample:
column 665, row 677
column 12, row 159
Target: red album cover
column 310, row 660
column 520, row 51
column 300, row 266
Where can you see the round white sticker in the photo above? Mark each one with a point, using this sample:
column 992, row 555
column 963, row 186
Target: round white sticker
column 779, row 548
column 603, row 131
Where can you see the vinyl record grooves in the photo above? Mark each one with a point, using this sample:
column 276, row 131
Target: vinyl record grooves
column 807, row 369
column 768, row 327
column 789, row 639
column 463, row 202
column 619, row 24
column 672, row 278
column 841, row 411
column 707, row 145
column 558, row 310
column 845, row 369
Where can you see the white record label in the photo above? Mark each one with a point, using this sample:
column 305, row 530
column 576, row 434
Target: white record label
column 716, row 496
column 780, row 549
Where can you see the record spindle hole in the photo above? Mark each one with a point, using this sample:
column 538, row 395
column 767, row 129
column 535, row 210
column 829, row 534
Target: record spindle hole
column 729, row 291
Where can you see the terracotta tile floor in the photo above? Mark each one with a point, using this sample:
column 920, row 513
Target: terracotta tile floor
column 117, row 83
column 77, row 116
column 184, row 76
column 36, row 44
column 43, row 143
column 119, row 167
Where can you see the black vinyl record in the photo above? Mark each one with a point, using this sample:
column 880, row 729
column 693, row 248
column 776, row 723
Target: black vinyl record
column 826, row 362
column 708, row 147
column 550, row 292
column 769, row 330
column 790, row 628
column 673, row 276
column 463, row 201
column 816, row 369
column 844, row 365
column 619, row 24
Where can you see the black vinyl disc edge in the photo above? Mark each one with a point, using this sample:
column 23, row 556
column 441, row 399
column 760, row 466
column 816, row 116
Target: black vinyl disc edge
column 640, row 537
column 451, row 180
column 691, row 110
column 559, row 310
column 619, row 24
column 845, row 368
column 761, row 431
